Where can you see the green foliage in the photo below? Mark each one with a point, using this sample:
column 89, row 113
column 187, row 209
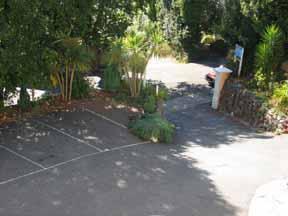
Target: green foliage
column 153, row 127
column 81, row 87
column 280, row 97
column 268, row 57
column 148, row 90
column 199, row 16
column 112, row 79
column 29, row 29
column 264, row 13
column 70, row 58
column 220, row 47
column 163, row 93
column 23, row 41
column 192, row 11
column 150, row 104
column 208, row 39
column 142, row 40
column 169, row 16
column 244, row 21
column 24, row 99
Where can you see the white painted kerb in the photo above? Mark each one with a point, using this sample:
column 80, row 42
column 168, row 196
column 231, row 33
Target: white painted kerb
column 222, row 73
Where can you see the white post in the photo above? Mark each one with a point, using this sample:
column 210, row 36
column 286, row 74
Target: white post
column 222, row 75
column 240, row 64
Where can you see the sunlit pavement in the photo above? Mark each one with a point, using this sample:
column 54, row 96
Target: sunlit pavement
column 237, row 160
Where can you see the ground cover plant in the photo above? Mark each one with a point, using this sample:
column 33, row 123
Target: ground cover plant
column 153, row 127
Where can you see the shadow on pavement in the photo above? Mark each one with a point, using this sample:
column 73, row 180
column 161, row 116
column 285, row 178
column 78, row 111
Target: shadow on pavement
column 151, row 179
column 197, row 123
column 185, row 88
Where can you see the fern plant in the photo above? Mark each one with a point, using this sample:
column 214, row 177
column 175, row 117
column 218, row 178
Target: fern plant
column 268, row 57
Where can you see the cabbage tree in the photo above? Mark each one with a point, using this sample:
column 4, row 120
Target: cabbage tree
column 70, row 57
column 132, row 53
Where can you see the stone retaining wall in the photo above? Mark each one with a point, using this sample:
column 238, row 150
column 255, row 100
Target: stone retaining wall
column 244, row 105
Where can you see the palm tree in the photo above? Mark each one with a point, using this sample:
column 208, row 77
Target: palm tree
column 133, row 52
column 71, row 57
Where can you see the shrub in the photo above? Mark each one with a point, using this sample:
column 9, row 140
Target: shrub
column 163, row 93
column 24, row 99
column 150, row 105
column 208, row 39
column 148, row 90
column 268, row 57
column 280, row 97
column 112, row 80
column 153, row 127
column 80, row 88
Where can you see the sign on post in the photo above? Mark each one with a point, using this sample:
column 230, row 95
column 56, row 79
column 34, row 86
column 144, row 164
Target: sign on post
column 238, row 56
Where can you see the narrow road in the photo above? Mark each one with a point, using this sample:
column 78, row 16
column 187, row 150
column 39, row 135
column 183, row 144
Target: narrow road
column 237, row 160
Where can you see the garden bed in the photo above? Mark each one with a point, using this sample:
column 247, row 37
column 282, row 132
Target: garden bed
column 243, row 104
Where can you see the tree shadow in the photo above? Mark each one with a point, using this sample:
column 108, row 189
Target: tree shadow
column 169, row 183
column 147, row 180
column 197, row 123
column 184, row 88
column 211, row 61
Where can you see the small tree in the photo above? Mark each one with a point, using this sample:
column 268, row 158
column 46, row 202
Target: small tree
column 268, row 57
column 71, row 56
column 133, row 52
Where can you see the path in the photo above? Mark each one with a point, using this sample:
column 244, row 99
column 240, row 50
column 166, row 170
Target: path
column 237, row 159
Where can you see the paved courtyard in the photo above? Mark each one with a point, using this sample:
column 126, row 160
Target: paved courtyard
column 87, row 163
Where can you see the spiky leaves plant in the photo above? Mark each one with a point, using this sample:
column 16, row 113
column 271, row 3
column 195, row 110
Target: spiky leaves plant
column 141, row 41
column 71, row 56
column 268, row 57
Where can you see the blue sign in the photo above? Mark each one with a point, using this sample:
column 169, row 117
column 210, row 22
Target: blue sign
column 239, row 52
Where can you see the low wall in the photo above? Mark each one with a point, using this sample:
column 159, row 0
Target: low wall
column 244, row 105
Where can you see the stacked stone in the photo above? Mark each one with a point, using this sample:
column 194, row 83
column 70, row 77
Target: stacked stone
column 244, row 105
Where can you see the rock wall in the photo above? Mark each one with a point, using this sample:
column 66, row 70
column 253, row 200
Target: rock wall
column 244, row 105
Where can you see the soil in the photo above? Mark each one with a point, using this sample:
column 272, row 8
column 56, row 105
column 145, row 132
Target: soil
column 98, row 100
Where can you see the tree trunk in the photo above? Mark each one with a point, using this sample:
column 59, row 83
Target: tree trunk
column 1, row 98
column 33, row 94
column 66, row 81
column 71, row 81
column 61, row 84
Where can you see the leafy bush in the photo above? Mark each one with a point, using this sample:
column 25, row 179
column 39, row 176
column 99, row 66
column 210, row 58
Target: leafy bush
column 153, row 127
column 208, row 39
column 24, row 99
column 268, row 57
column 81, row 87
column 112, row 79
column 163, row 93
column 150, row 104
column 280, row 97
column 148, row 89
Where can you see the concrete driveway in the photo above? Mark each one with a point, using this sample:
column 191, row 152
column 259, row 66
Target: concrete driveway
column 87, row 163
